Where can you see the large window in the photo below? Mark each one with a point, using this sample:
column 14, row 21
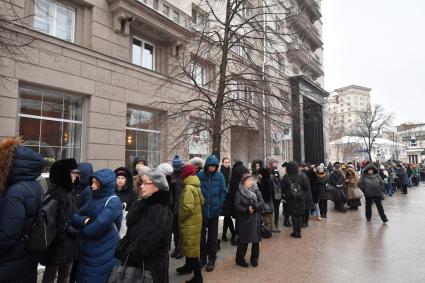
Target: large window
column 199, row 142
column 55, row 19
column 51, row 123
column 199, row 74
column 143, row 54
column 143, row 136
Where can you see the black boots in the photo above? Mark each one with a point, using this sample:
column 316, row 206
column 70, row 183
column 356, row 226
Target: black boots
column 210, row 264
column 185, row 269
column 296, row 235
column 176, row 253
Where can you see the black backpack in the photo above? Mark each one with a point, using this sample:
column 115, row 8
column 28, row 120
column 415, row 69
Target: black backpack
column 44, row 226
column 295, row 190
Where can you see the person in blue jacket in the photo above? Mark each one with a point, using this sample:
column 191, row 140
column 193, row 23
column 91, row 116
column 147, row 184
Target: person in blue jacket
column 99, row 220
column 20, row 195
column 83, row 192
column 214, row 190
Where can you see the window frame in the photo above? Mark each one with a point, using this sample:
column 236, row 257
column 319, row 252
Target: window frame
column 53, row 19
column 143, row 41
column 42, row 117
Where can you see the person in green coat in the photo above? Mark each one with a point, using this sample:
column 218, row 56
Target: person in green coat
column 190, row 223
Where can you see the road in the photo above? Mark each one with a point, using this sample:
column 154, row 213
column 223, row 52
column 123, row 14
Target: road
column 342, row 248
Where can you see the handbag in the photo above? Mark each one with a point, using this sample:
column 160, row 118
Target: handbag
column 127, row 274
column 268, row 207
column 357, row 193
column 265, row 231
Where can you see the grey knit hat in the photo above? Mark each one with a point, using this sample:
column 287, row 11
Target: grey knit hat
column 166, row 168
column 158, row 178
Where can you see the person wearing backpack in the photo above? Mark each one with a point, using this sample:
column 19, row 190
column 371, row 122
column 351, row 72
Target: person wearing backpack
column 20, row 196
column 59, row 256
column 295, row 186
column 99, row 220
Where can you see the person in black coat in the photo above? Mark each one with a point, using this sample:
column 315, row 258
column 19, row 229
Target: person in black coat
column 296, row 187
column 124, row 188
column 249, row 205
column 149, row 225
column 309, row 201
column 227, row 209
column 60, row 255
column 20, row 195
column 325, row 193
column 176, row 187
column 237, row 171
column 337, row 183
column 267, row 192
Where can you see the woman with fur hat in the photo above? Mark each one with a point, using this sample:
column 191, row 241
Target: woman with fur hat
column 373, row 188
column 58, row 259
column 20, row 195
column 249, row 205
column 99, row 221
column 190, row 222
column 351, row 183
column 296, row 186
column 149, row 225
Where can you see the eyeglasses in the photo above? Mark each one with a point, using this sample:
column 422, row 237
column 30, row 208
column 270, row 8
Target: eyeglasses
column 75, row 171
column 145, row 183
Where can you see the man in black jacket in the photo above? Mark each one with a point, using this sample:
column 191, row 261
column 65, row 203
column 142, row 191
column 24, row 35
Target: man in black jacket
column 337, row 182
column 277, row 192
column 227, row 209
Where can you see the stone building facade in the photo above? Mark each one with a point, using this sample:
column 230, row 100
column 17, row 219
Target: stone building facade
column 86, row 85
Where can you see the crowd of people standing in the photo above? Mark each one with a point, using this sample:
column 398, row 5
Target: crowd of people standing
column 127, row 220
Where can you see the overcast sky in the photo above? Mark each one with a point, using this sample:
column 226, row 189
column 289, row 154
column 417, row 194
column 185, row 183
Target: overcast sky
column 378, row 44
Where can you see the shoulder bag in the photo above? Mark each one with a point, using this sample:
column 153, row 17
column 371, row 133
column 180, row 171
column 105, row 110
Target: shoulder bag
column 127, row 274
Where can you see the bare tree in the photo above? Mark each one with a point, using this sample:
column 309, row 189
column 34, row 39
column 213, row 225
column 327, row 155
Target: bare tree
column 371, row 125
column 236, row 64
column 12, row 23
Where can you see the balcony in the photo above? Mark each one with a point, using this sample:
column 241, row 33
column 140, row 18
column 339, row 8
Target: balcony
column 311, row 8
column 306, row 30
column 308, row 61
column 163, row 21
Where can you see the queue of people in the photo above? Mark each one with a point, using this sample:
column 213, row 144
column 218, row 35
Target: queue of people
column 112, row 222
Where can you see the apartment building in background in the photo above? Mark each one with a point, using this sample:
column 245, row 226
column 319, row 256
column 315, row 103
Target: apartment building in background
column 344, row 106
column 85, row 86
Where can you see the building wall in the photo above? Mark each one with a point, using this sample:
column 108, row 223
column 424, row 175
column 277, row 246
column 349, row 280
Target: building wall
column 98, row 67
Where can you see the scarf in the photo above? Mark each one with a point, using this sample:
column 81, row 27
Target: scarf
column 248, row 193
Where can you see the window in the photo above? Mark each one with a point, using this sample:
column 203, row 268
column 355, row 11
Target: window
column 51, row 123
column 143, row 136
column 166, row 10
column 155, row 4
column 176, row 16
column 55, row 19
column 246, row 10
column 143, row 54
column 199, row 74
column 199, row 142
column 198, row 19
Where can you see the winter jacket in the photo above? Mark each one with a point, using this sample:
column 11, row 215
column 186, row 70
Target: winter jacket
column 176, row 188
column 322, row 185
column 99, row 238
column 402, row 176
column 351, row 183
column 229, row 205
column 275, row 183
column 312, row 178
column 336, row 178
column 371, row 185
column 249, row 224
column 213, row 189
column 18, row 207
column 82, row 191
column 147, row 241
column 64, row 247
column 127, row 195
column 296, row 206
column 265, row 186
column 226, row 173
column 190, row 217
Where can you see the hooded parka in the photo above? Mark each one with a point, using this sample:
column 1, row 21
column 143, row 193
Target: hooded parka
column 190, row 217
column 18, row 206
column 213, row 188
column 64, row 247
column 99, row 238
column 371, row 185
